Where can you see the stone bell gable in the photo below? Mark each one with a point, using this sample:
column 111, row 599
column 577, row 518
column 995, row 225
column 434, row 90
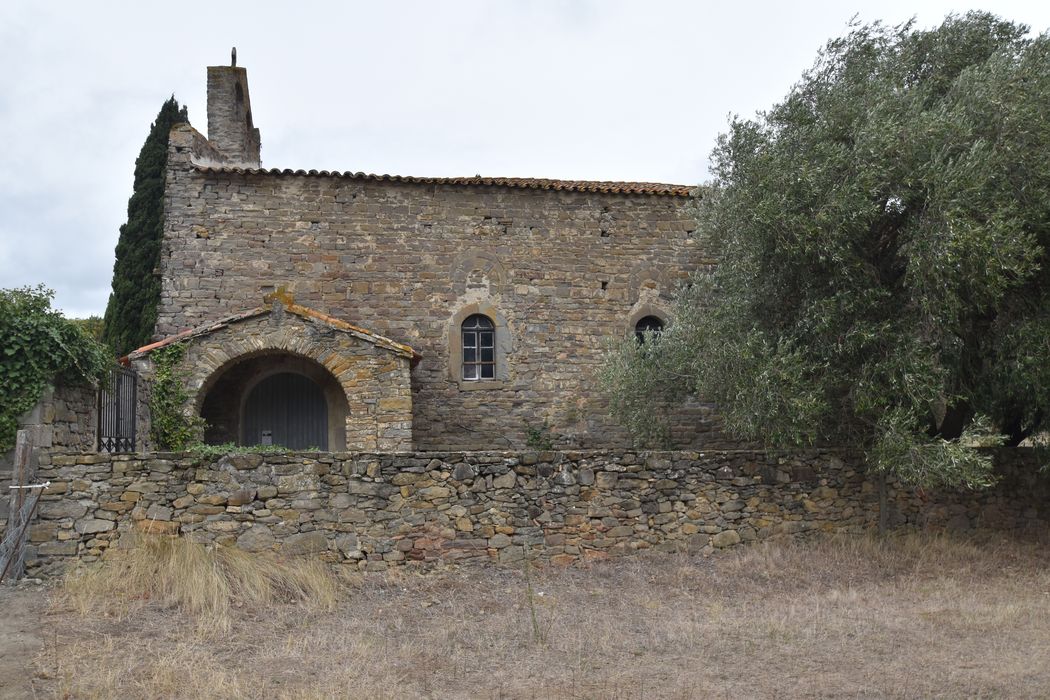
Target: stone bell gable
column 288, row 375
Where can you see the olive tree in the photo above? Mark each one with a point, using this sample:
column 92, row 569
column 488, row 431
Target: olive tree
column 883, row 277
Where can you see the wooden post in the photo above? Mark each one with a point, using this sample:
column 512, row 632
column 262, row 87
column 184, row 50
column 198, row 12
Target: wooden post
column 16, row 527
column 19, row 477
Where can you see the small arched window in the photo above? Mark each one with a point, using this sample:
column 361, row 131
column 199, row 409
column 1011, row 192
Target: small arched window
column 653, row 324
column 479, row 348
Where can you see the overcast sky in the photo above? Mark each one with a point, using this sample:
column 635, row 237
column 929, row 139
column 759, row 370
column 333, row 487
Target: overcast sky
column 573, row 89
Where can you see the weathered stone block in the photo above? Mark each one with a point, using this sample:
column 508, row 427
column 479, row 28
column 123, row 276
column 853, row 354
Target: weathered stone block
column 245, row 461
column 294, row 483
column 347, row 544
column 364, row 488
column 504, row 481
column 61, row 509
column 463, row 472
column 92, row 525
column 791, row 527
column 511, row 554
column 305, row 543
column 221, row 526
column 43, row 532
column 499, row 541
column 158, row 512
column 57, row 549
column 257, row 538
column 726, row 538
column 183, row 502
column 241, row 497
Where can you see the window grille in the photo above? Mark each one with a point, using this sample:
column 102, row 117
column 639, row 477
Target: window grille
column 479, row 348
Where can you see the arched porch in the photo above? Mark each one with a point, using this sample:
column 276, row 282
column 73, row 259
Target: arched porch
column 274, row 398
column 295, row 377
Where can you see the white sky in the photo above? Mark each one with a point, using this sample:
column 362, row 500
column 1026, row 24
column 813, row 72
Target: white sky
column 574, row 89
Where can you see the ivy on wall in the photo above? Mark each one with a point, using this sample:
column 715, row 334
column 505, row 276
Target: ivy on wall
column 170, row 427
column 38, row 346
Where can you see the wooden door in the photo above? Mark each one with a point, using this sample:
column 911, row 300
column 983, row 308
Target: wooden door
column 286, row 409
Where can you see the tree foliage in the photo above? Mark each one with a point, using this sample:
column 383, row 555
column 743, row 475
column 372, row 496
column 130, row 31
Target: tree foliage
column 37, row 348
column 92, row 326
column 883, row 239
column 131, row 313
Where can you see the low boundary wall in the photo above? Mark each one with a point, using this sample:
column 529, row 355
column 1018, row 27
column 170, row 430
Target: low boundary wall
column 372, row 511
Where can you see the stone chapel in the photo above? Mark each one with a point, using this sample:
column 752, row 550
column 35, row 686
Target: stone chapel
column 353, row 311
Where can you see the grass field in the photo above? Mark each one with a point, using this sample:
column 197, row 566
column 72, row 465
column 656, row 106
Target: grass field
column 915, row 616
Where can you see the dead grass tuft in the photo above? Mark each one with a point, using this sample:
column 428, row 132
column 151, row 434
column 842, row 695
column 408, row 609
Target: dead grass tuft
column 205, row 581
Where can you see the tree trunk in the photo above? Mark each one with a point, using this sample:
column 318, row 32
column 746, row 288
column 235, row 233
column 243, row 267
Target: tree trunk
column 884, row 515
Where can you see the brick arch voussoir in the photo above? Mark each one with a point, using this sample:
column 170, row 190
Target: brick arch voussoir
column 233, row 351
column 486, row 261
column 648, row 272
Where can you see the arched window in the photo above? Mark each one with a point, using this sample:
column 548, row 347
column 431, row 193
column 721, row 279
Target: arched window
column 653, row 324
column 479, row 348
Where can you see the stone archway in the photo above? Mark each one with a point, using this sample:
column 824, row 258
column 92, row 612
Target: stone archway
column 274, row 398
column 364, row 377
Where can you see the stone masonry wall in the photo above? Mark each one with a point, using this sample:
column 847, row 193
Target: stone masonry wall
column 560, row 272
column 64, row 420
column 372, row 511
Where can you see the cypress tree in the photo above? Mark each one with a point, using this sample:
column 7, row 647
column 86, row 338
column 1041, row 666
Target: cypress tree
column 131, row 313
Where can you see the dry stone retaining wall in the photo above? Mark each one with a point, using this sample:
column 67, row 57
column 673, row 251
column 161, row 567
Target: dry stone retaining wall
column 65, row 419
column 372, row 511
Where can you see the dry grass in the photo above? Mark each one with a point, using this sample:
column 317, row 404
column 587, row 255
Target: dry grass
column 918, row 616
column 206, row 582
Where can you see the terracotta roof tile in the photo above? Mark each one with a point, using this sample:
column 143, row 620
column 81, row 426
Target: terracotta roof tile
column 362, row 333
column 290, row 307
column 647, row 188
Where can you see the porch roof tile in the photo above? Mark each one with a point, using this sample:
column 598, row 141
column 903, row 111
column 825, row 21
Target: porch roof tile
column 284, row 299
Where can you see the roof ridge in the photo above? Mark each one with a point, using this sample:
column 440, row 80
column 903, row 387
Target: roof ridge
column 534, row 183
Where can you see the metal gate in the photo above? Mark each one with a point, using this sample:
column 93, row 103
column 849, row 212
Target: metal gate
column 116, row 412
